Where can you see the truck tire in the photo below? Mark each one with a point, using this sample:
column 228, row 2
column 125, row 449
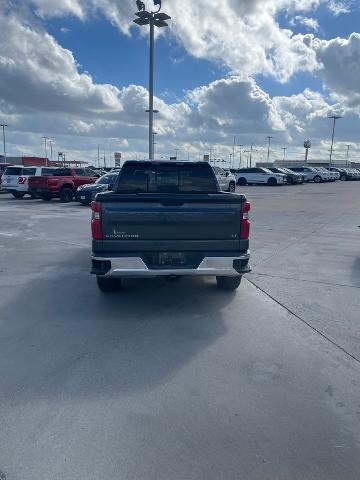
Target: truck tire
column 242, row 181
column 66, row 195
column 18, row 194
column 107, row 285
column 317, row 179
column 47, row 197
column 272, row 181
column 228, row 283
column 343, row 178
column 232, row 187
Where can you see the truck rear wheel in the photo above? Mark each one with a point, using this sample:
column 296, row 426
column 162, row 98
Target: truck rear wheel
column 228, row 283
column 66, row 195
column 107, row 285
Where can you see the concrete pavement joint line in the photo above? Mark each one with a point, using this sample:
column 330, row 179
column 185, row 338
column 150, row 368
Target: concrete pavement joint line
column 321, row 282
column 305, row 322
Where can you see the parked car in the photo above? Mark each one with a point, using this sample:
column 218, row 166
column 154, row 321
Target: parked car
column 226, row 179
column 343, row 173
column 63, row 183
column 15, row 179
column 355, row 173
column 3, row 167
column 169, row 219
column 85, row 194
column 311, row 174
column 259, row 175
column 329, row 176
column 291, row 177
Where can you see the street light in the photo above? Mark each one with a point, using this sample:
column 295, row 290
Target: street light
column 268, row 152
column 240, row 155
column 4, row 125
column 307, row 146
column 154, row 19
column 347, row 155
column 284, row 149
column 45, row 145
column 51, row 149
column 334, row 118
column 154, row 143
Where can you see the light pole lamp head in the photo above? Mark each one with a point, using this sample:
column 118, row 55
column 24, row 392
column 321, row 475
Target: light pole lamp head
column 158, row 2
column 307, row 144
column 140, row 5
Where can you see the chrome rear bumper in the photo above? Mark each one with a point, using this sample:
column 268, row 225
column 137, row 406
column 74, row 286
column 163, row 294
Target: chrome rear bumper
column 135, row 267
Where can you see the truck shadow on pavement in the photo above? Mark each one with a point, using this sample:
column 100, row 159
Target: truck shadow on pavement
column 72, row 340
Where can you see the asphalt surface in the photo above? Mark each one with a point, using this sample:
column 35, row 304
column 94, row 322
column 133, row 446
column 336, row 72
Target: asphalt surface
column 177, row 380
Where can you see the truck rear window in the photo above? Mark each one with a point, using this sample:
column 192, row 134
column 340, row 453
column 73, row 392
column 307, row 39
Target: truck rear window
column 167, row 178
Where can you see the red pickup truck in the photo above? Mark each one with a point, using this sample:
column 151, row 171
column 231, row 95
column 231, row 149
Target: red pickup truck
column 63, row 184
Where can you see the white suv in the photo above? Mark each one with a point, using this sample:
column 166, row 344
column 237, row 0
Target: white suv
column 15, row 179
column 328, row 174
column 311, row 174
column 226, row 179
column 258, row 175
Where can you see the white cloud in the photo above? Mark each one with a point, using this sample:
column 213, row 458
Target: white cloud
column 339, row 7
column 339, row 61
column 308, row 22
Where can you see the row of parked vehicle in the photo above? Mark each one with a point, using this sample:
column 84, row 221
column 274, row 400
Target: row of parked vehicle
column 47, row 183
column 296, row 175
column 82, row 184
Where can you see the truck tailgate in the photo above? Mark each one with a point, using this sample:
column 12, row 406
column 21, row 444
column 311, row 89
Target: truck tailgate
column 188, row 222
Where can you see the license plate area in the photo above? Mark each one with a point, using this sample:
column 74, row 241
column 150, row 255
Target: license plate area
column 169, row 260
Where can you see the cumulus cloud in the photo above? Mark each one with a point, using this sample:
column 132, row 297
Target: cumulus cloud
column 37, row 73
column 339, row 61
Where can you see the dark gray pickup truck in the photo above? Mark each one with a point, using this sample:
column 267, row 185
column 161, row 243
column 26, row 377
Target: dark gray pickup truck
column 169, row 219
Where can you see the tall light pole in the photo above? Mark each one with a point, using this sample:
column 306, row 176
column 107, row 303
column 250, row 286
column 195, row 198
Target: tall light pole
column 154, row 19
column 153, row 140
column 334, row 118
column 251, row 152
column 98, row 156
column 51, row 149
column 284, row 150
column 268, row 152
column 233, row 152
column 177, row 150
column 45, row 147
column 240, row 146
column 347, row 155
column 4, row 125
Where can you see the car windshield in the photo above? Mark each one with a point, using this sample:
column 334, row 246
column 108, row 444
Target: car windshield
column 106, row 180
column 266, row 170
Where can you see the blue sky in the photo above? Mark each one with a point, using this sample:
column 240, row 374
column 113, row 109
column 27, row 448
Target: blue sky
column 77, row 71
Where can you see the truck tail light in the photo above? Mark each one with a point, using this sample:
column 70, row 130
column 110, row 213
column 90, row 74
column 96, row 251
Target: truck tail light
column 245, row 222
column 21, row 180
column 96, row 227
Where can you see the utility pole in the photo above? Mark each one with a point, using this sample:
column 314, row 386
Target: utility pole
column 240, row 159
column 251, row 151
column 268, row 152
column 347, row 155
column 284, row 149
column 176, row 152
column 99, row 156
column 154, row 19
column 4, row 125
column 233, row 152
column 45, row 146
column 334, row 118
column 51, row 149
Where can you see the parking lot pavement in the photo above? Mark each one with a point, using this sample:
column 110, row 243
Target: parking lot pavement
column 177, row 380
